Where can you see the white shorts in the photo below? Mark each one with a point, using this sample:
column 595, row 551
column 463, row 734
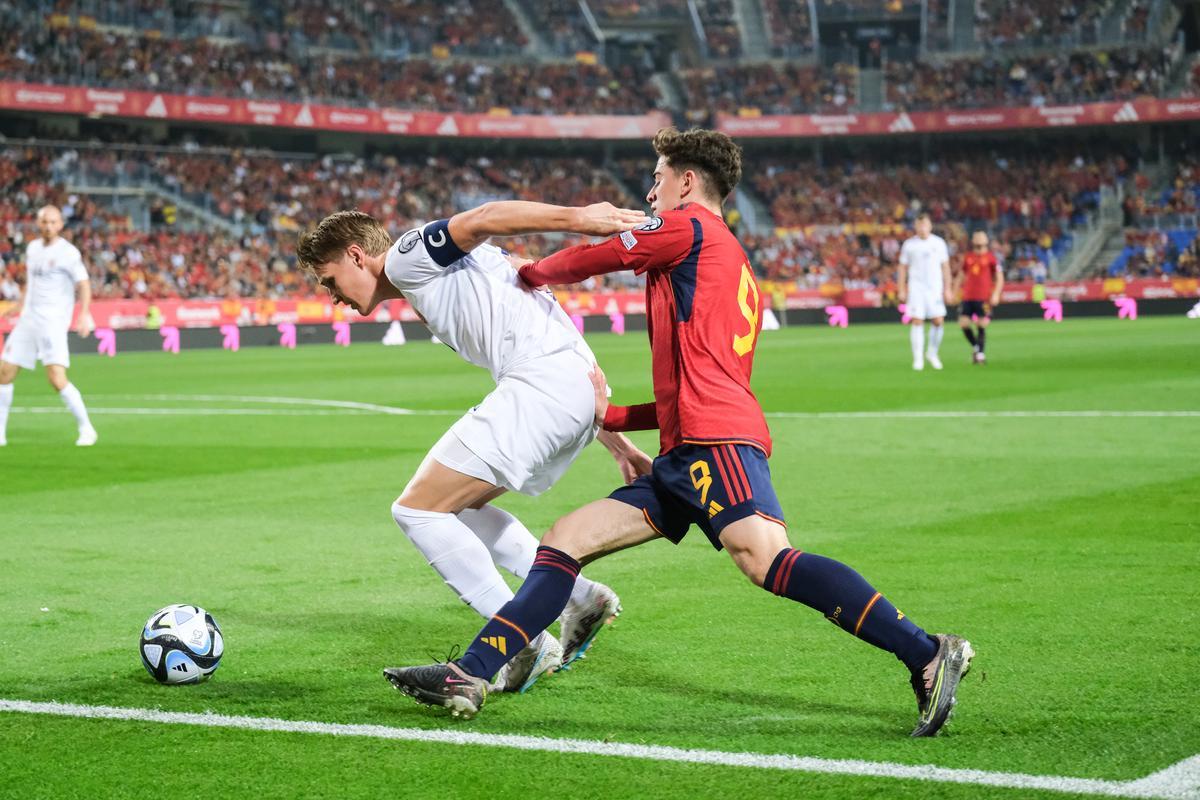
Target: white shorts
column 32, row 341
column 925, row 303
column 529, row 429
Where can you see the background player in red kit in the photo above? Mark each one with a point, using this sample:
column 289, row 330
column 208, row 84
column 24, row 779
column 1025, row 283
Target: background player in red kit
column 704, row 314
column 980, row 281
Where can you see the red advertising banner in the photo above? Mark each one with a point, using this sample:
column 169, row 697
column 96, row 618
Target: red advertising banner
column 152, row 105
column 127, row 314
column 984, row 119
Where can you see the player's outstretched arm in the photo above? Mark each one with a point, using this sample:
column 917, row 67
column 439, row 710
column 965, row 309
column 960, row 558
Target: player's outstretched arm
column 516, row 217
column 642, row 417
column 84, row 326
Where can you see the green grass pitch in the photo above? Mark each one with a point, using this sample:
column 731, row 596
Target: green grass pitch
column 1066, row 547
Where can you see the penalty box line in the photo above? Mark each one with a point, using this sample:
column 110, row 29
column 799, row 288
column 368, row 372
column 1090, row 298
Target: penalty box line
column 1174, row 783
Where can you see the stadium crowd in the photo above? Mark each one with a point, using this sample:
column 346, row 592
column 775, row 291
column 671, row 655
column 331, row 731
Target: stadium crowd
column 840, row 222
column 846, row 221
column 788, row 88
column 1000, row 23
column 264, row 201
column 75, row 55
column 274, row 61
column 1029, row 80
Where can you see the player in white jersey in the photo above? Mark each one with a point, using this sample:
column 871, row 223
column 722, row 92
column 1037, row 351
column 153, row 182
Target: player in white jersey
column 54, row 270
column 525, row 433
column 925, row 289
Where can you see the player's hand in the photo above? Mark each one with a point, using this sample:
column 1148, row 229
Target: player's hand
column 995, row 300
column 601, row 386
column 902, row 295
column 85, row 325
column 949, row 297
column 633, row 464
column 605, row 219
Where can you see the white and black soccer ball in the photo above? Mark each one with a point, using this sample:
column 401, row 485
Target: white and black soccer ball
column 181, row 644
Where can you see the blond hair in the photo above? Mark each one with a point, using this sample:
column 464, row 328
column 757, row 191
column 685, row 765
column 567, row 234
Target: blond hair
column 334, row 235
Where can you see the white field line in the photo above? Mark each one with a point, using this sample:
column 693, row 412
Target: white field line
column 312, row 404
column 199, row 412
column 873, row 769
column 1180, row 780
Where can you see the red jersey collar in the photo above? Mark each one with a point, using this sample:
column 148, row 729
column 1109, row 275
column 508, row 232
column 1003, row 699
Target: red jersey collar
column 698, row 207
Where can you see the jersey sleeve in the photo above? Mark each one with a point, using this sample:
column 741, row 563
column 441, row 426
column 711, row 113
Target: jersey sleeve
column 661, row 243
column 906, row 254
column 78, row 270
column 421, row 254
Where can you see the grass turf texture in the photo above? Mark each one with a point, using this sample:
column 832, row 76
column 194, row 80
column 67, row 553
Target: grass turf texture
column 1067, row 549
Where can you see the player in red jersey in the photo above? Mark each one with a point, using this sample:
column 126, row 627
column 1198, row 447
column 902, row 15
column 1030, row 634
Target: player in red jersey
column 704, row 315
column 980, row 281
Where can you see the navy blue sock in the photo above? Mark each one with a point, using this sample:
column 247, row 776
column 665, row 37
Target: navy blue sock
column 539, row 601
column 970, row 334
column 848, row 601
column 982, row 337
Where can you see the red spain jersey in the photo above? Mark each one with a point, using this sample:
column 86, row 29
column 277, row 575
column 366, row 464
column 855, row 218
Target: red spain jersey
column 704, row 312
column 979, row 276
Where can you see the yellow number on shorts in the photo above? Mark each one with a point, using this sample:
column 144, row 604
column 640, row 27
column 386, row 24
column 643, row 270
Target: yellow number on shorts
column 701, row 479
column 748, row 302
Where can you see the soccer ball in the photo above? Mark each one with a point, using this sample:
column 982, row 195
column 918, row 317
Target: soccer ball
column 181, row 644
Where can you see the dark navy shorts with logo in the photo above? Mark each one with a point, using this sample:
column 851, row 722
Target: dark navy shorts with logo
column 710, row 485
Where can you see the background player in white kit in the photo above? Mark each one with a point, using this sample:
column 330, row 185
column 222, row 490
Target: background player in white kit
column 53, row 271
column 925, row 288
column 525, row 433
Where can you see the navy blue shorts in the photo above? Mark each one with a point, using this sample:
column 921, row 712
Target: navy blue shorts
column 709, row 485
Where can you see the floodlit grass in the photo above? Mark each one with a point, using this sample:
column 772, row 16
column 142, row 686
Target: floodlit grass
column 1067, row 548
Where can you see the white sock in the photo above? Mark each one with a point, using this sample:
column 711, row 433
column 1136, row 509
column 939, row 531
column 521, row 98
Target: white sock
column 454, row 552
column 916, row 335
column 511, row 544
column 6, row 395
column 935, row 338
column 74, row 403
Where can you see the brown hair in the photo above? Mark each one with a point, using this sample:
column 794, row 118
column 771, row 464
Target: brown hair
column 330, row 239
column 711, row 154
column 924, row 215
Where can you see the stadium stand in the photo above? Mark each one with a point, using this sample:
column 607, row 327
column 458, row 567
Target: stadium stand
column 790, row 27
column 772, row 88
column 1029, row 80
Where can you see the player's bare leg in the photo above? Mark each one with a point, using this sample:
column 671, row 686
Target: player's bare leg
column 936, row 332
column 916, row 337
column 8, row 373
column 936, row 663
column 73, row 400
column 581, row 537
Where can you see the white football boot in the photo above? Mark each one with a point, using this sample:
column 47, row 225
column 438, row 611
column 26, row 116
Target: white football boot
column 582, row 621
column 542, row 656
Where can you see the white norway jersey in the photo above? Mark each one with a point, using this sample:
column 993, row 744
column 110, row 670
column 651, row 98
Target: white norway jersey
column 476, row 303
column 924, row 258
column 52, row 272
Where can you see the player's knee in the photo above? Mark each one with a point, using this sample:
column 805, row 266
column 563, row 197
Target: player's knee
column 568, row 537
column 407, row 517
column 753, row 563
